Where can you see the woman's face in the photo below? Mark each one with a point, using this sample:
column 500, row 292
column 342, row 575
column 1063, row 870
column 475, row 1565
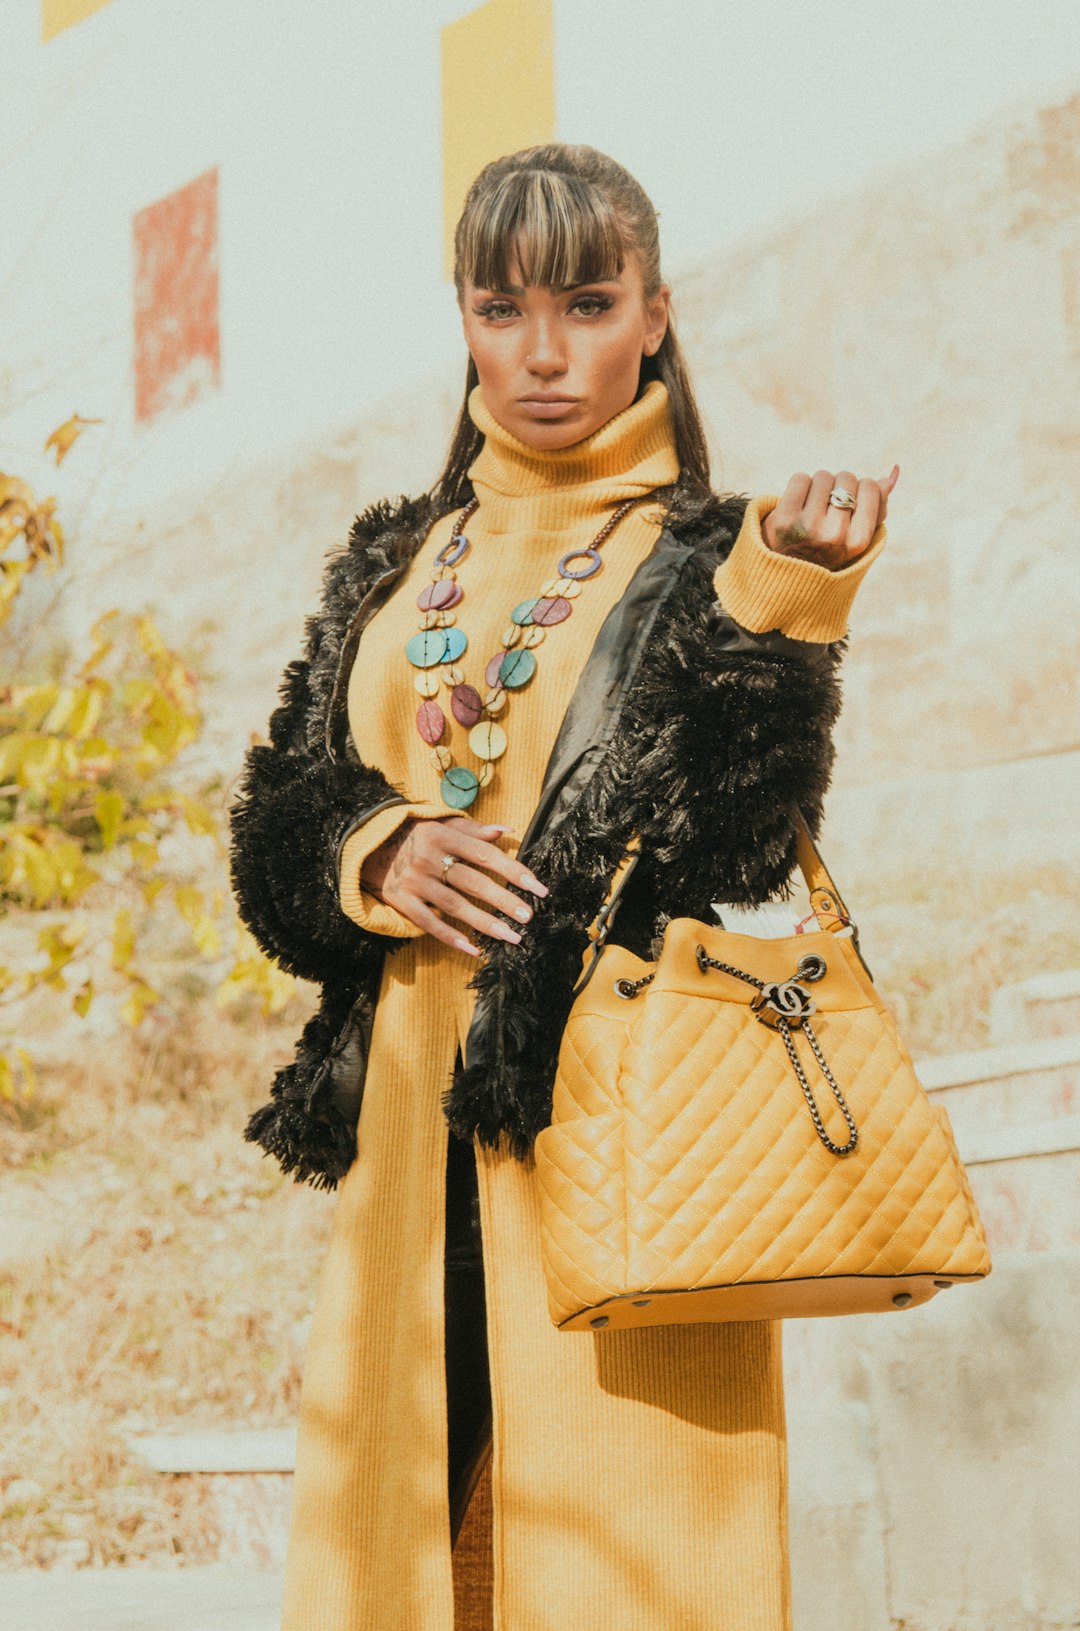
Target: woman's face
column 555, row 365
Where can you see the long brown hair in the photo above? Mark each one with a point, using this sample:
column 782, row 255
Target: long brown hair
column 570, row 214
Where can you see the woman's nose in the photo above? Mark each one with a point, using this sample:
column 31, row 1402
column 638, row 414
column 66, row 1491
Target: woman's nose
column 545, row 353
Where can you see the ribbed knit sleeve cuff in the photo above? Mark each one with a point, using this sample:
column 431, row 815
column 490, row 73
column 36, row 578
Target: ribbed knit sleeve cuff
column 364, row 908
column 764, row 590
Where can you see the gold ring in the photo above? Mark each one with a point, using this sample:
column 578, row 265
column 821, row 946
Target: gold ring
column 447, row 863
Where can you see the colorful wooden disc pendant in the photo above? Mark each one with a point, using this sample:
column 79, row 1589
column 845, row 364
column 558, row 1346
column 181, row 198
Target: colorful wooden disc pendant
column 435, row 650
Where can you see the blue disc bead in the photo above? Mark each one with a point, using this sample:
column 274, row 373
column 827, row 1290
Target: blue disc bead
column 517, row 667
column 459, row 787
column 426, row 649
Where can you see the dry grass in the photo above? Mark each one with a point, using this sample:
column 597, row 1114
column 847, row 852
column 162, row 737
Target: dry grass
column 156, row 1272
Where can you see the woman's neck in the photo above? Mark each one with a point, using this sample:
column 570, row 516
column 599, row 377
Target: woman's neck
column 554, row 490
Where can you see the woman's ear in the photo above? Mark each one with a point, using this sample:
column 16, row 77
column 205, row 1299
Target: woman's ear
column 657, row 309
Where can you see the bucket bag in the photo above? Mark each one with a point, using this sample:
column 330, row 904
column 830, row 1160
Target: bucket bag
column 738, row 1132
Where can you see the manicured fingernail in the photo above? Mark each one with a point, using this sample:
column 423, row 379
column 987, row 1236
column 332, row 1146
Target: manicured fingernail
column 463, row 945
column 535, row 884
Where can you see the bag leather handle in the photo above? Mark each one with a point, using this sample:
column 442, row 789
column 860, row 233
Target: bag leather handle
column 825, row 899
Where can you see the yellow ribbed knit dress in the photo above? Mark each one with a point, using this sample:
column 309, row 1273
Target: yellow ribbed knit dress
column 638, row 1478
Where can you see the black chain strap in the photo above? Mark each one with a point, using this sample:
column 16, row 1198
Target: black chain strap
column 781, row 1004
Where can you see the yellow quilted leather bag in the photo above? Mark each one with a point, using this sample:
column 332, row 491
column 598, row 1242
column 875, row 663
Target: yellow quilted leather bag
column 738, row 1132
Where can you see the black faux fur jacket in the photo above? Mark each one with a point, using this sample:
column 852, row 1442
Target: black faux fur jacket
column 684, row 728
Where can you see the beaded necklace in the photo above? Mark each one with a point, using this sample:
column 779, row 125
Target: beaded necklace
column 435, row 652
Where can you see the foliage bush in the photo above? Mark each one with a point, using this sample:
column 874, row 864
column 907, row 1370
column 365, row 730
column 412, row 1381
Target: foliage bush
column 93, row 799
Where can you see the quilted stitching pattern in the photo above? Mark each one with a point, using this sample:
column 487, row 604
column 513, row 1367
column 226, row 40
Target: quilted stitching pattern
column 682, row 1154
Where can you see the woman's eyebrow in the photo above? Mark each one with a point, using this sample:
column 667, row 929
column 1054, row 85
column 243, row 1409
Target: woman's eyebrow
column 564, row 288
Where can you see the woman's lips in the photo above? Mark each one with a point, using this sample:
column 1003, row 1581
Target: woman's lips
column 547, row 410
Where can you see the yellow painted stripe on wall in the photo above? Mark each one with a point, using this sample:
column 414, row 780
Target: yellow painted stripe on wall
column 56, row 15
column 498, row 94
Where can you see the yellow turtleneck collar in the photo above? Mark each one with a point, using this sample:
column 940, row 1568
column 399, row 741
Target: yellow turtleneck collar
column 631, row 453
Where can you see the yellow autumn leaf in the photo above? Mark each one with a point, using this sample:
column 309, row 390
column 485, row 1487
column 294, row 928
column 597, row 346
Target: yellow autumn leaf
column 86, row 709
column 254, row 973
column 108, row 813
column 149, row 637
column 32, row 871
column 141, row 997
column 123, row 946
column 14, row 491
column 35, row 760
column 137, row 694
column 12, row 574
column 83, row 998
column 56, row 719
column 64, row 437
column 192, row 909
column 103, row 644
column 29, row 1075
column 45, row 866
column 7, row 1079
column 198, row 816
column 32, row 704
column 59, row 942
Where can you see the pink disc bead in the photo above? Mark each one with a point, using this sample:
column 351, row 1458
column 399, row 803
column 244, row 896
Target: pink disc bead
column 556, row 609
column 439, row 596
column 466, row 704
column 491, row 672
column 430, row 722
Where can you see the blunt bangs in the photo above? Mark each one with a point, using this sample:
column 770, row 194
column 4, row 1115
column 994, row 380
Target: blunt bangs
column 559, row 229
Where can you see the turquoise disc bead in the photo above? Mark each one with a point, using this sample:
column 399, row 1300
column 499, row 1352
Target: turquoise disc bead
column 517, row 667
column 522, row 612
column 459, row 787
column 456, row 641
column 428, row 648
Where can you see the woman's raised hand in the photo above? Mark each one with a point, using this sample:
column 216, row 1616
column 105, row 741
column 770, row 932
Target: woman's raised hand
column 805, row 524
column 407, row 873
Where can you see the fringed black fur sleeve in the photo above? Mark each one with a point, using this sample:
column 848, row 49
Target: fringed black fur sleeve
column 291, row 812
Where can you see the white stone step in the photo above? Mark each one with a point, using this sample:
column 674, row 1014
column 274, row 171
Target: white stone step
column 1045, row 1005
column 202, row 1599
column 221, row 1450
column 1007, row 1102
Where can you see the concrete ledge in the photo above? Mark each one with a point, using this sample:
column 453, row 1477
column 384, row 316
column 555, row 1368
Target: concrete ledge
column 941, row 1070
column 206, row 1599
column 225, row 1450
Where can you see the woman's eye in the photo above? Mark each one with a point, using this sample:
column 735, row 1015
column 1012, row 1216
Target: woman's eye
column 597, row 302
column 496, row 308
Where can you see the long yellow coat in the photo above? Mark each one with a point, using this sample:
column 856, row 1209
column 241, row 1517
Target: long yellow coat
column 638, row 1478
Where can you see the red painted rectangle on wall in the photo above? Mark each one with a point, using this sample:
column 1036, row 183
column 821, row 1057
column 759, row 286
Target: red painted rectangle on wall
column 177, row 337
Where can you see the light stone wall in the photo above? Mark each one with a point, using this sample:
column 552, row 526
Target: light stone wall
column 947, row 337
column 934, row 1456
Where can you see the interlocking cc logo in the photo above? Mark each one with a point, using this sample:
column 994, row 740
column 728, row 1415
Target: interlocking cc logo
column 783, row 999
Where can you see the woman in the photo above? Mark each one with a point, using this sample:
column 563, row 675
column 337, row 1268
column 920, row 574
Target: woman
column 429, row 838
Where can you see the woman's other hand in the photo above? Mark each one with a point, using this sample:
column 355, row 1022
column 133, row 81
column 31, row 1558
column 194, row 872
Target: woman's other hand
column 806, row 525
column 407, row 872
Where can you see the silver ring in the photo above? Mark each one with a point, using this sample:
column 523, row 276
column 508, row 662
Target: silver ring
column 841, row 498
column 447, row 863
